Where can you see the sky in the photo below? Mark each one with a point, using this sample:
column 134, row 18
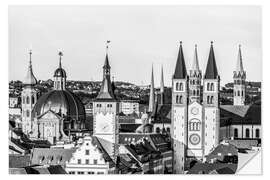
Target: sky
column 140, row 36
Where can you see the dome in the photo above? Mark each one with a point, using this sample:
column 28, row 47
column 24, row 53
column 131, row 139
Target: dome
column 60, row 72
column 63, row 102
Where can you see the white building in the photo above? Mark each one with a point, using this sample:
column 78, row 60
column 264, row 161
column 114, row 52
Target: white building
column 129, row 106
column 89, row 158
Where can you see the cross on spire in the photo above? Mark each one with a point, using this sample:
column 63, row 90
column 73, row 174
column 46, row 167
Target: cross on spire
column 60, row 58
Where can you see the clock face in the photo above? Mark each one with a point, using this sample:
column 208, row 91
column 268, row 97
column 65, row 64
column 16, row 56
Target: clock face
column 194, row 111
column 194, row 139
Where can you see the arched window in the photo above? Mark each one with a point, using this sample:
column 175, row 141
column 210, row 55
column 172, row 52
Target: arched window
column 23, row 100
column 212, row 99
column 177, row 86
column 33, row 100
column 168, row 130
column 198, row 92
column 238, row 93
column 181, row 87
column 208, row 86
column 158, row 130
column 234, row 93
column 242, row 93
column 257, row 133
column 247, row 133
column 235, row 133
column 177, row 99
column 27, row 100
column 212, row 86
column 181, row 100
column 208, row 100
column 193, row 81
column 27, row 113
column 194, row 93
column 198, row 82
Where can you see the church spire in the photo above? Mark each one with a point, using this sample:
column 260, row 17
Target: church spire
column 180, row 69
column 239, row 65
column 30, row 79
column 211, row 69
column 162, row 87
column 152, row 93
column 106, row 91
column 195, row 65
column 60, row 59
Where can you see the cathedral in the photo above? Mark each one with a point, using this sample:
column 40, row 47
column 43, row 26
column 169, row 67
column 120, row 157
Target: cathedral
column 56, row 115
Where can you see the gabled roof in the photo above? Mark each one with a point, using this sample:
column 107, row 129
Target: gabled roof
column 180, row 68
column 211, row 68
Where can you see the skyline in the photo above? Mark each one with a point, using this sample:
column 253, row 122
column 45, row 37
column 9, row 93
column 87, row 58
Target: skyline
column 137, row 49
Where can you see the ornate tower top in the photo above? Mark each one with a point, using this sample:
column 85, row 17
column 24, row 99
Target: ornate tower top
column 195, row 65
column 162, row 81
column 211, row 69
column 60, row 72
column 180, row 68
column 30, row 79
column 106, row 91
column 152, row 93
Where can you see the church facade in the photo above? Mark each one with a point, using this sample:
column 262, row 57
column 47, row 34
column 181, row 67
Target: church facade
column 195, row 115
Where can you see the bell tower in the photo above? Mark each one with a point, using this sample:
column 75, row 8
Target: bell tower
column 60, row 75
column 239, row 77
column 211, row 85
column 179, row 113
column 29, row 98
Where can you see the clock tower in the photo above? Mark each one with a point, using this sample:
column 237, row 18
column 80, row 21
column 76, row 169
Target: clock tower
column 105, row 110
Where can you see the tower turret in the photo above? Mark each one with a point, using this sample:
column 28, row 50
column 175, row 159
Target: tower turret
column 179, row 112
column 151, row 93
column 29, row 98
column 195, row 78
column 162, row 87
column 60, row 75
column 239, row 77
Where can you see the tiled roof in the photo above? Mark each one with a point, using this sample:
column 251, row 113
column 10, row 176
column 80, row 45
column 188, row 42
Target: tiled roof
column 180, row 68
column 51, row 156
column 162, row 113
column 18, row 161
column 211, row 68
column 38, row 170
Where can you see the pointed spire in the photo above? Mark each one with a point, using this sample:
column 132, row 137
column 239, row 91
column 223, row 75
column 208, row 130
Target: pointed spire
column 30, row 79
column 106, row 90
column 162, row 81
column 195, row 65
column 211, row 69
column 180, row 69
column 239, row 65
column 60, row 72
column 152, row 93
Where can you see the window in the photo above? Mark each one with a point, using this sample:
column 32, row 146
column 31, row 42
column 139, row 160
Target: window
column 95, row 161
column 238, row 93
column 71, row 172
column 79, row 161
column 181, row 86
column 27, row 113
column 208, row 86
column 257, row 133
column 27, row 100
column 158, row 130
column 23, row 100
column 177, row 86
column 33, row 100
column 242, row 93
column 181, row 100
column 194, row 126
column 91, row 172
column 80, row 172
column 212, row 98
column 177, row 99
column 87, row 152
column 194, row 93
column 208, row 100
column 100, row 172
column 87, row 161
column 247, row 133
column 212, row 87
column 168, row 129
column 198, row 93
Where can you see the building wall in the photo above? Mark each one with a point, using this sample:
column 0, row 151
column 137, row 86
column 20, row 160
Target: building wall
column 229, row 132
column 87, row 159
column 128, row 107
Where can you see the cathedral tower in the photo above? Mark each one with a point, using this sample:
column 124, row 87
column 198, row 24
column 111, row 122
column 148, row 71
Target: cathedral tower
column 29, row 98
column 211, row 84
column 60, row 75
column 239, row 77
column 105, row 110
column 162, row 87
column 179, row 113
column 195, row 78
column 151, row 105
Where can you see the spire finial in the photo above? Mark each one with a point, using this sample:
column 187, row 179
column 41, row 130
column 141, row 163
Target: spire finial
column 180, row 42
column 60, row 58
column 212, row 43
column 107, row 46
column 30, row 57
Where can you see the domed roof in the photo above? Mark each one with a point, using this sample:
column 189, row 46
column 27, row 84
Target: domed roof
column 60, row 72
column 60, row 101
